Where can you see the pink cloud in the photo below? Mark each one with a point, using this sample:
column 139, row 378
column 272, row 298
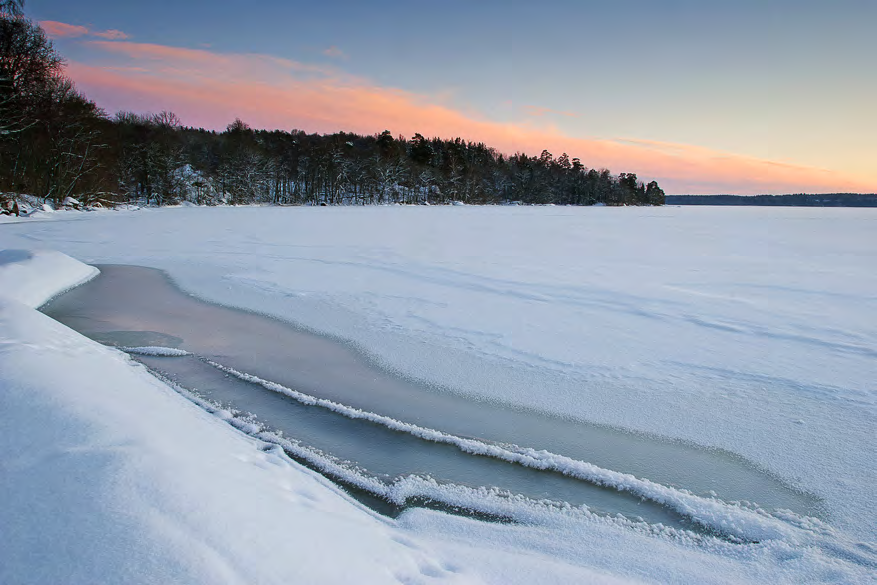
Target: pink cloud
column 216, row 65
column 162, row 52
column 209, row 89
column 111, row 34
column 58, row 30
column 61, row 30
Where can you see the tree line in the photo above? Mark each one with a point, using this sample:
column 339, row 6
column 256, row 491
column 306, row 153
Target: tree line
column 55, row 143
column 790, row 200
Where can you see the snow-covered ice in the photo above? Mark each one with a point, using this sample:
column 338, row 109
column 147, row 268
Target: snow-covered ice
column 724, row 327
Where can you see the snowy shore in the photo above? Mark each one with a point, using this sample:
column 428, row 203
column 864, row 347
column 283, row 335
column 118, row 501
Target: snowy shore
column 145, row 509
column 109, row 476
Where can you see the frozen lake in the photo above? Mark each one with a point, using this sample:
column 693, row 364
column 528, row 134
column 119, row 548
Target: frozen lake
column 665, row 354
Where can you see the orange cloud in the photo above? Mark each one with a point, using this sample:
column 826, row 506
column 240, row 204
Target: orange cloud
column 60, row 30
column 539, row 111
column 209, row 89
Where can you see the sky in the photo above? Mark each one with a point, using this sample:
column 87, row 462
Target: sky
column 706, row 97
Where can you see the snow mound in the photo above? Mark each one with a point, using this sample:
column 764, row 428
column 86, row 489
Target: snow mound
column 120, row 496
column 34, row 277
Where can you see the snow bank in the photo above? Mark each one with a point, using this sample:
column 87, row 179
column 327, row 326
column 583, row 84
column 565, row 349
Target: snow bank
column 95, row 491
column 109, row 476
column 34, row 277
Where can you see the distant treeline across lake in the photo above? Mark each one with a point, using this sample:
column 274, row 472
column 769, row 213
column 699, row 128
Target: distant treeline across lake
column 796, row 200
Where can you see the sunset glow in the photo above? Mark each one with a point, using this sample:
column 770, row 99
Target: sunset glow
column 209, row 88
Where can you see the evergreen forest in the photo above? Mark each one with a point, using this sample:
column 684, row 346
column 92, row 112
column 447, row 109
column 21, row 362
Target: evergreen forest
column 57, row 144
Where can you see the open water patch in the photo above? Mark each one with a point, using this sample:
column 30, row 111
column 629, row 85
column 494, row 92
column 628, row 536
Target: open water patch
column 411, row 441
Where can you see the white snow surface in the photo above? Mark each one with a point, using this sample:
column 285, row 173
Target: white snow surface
column 749, row 329
column 34, row 277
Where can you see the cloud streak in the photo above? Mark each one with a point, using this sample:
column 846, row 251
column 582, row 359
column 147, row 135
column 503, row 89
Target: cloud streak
column 335, row 53
column 210, row 89
column 62, row 30
column 112, row 34
column 539, row 111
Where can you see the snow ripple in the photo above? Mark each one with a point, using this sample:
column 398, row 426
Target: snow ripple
column 494, row 502
column 781, row 533
column 156, row 351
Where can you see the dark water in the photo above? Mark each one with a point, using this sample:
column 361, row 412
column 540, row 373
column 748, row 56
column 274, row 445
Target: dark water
column 135, row 306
